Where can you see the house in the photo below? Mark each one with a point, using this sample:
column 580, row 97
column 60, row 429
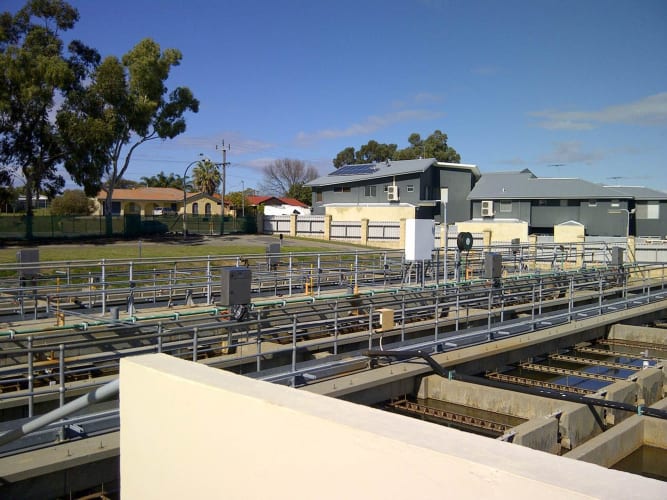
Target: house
column 393, row 190
column 274, row 205
column 147, row 201
column 543, row 203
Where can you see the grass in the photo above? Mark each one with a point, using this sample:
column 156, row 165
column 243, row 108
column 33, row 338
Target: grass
column 147, row 249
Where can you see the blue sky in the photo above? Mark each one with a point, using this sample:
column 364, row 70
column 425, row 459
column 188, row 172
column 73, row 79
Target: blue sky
column 567, row 88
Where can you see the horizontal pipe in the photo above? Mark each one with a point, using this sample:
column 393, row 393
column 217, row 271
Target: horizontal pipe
column 100, row 394
column 542, row 392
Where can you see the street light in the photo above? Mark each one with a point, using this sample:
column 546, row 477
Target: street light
column 185, row 206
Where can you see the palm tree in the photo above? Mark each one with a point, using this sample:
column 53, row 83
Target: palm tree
column 161, row 180
column 206, row 177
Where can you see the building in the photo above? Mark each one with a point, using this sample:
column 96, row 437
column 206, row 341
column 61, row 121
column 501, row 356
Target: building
column 543, row 203
column 147, row 201
column 274, row 205
column 395, row 190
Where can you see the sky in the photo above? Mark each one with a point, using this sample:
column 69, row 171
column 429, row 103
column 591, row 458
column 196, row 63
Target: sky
column 566, row 88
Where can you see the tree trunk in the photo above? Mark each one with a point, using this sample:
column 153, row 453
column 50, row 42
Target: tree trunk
column 28, row 210
column 108, row 212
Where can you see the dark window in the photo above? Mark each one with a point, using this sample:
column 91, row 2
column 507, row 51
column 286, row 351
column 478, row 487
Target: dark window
column 369, row 190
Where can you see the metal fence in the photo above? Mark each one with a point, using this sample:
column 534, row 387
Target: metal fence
column 20, row 227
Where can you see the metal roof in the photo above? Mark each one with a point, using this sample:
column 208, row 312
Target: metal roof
column 387, row 169
column 525, row 185
column 641, row 192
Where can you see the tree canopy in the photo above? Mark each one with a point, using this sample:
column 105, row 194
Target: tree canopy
column 434, row 146
column 34, row 72
column 287, row 177
column 72, row 202
column 124, row 105
column 163, row 180
column 206, row 177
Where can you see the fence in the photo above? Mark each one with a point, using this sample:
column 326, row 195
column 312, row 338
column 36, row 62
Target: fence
column 19, row 227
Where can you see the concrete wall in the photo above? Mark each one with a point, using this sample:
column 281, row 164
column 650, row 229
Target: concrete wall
column 539, row 434
column 189, row 431
column 569, row 233
column 577, row 423
column 500, row 231
column 624, row 438
column 374, row 213
column 638, row 334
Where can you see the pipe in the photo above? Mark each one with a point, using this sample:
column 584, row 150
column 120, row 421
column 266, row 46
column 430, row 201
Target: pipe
column 100, row 394
column 542, row 392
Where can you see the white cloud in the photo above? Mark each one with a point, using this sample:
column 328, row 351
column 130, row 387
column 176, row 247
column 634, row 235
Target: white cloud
column 238, row 143
column 570, row 152
column 488, row 70
column 369, row 125
column 651, row 110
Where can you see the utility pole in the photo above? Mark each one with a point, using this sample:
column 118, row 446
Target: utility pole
column 224, row 178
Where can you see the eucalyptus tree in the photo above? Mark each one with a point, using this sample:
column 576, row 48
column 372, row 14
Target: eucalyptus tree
column 35, row 72
column 434, row 146
column 125, row 104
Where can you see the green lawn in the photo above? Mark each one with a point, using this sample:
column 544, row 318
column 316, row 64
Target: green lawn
column 130, row 250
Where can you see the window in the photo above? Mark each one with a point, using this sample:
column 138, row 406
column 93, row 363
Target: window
column 341, row 189
column 195, row 209
column 505, row 206
column 318, row 196
column 648, row 210
column 370, row 190
column 207, row 209
column 410, row 188
column 386, row 187
column 592, row 203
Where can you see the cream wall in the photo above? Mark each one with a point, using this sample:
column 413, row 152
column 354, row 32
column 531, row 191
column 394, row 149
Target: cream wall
column 372, row 213
column 190, row 431
column 500, row 230
column 569, row 233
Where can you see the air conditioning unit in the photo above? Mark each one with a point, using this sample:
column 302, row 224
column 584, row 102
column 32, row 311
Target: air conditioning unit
column 392, row 193
column 487, row 208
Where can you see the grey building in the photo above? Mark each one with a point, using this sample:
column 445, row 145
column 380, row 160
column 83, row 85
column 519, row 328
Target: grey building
column 420, row 184
column 545, row 202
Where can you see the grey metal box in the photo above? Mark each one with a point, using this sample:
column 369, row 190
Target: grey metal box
column 272, row 252
column 235, row 286
column 493, row 265
column 617, row 256
column 28, row 258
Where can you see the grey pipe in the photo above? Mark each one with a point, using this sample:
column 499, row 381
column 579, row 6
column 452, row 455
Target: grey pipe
column 100, row 394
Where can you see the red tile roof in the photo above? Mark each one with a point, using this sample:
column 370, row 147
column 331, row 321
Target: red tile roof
column 261, row 200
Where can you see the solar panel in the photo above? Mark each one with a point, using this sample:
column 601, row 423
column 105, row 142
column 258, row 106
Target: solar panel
column 362, row 168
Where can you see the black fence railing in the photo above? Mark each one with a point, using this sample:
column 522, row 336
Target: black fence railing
column 22, row 227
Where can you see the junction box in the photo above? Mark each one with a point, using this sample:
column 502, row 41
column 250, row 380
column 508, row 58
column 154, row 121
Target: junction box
column 235, row 286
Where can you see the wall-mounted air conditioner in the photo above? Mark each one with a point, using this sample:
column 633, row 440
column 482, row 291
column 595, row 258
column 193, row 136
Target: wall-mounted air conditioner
column 487, row 208
column 392, row 193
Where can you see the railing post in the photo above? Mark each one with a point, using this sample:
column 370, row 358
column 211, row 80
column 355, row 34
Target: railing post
column 294, row 350
column 258, row 361
column 159, row 337
column 209, row 281
column 532, row 309
column 335, row 347
column 195, row 339
column 370, row 328
column 61, row 373
column 437, row 313
column 104, row 286
column 31, row 380
column 290, row 275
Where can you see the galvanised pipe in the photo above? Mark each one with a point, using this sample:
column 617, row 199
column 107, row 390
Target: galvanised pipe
column 100, row 394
